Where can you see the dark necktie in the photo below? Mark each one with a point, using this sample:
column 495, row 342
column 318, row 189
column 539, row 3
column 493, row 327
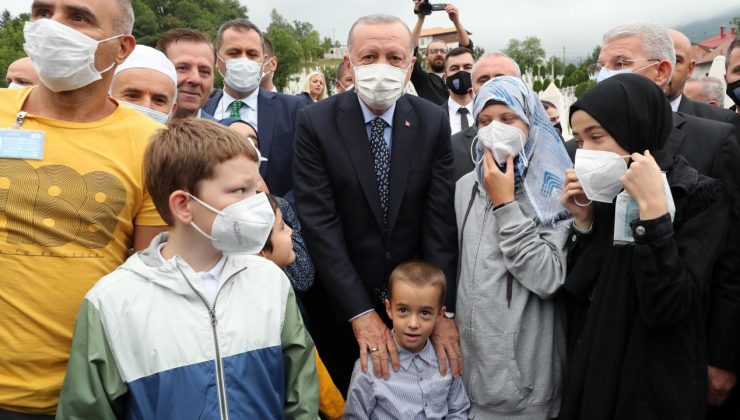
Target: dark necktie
column 463, row 118
column 235, row 107
column 382, row 161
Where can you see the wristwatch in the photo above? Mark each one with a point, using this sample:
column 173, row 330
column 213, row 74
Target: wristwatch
column 449, row 315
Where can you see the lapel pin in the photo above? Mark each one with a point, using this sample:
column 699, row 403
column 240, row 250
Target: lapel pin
column 407, row 124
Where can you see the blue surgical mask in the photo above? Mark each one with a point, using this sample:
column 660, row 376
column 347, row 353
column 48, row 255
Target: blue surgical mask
column 157, row 116
column 14, row 85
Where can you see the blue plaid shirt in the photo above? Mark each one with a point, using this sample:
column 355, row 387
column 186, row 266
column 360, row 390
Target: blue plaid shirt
column 415, row 392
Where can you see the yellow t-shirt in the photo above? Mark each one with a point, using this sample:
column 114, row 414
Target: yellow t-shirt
column 65, row 221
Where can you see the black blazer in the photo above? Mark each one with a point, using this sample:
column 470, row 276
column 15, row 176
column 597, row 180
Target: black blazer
column 702, row 110
column 461, row 142
column 336, row 195
column 276, row 114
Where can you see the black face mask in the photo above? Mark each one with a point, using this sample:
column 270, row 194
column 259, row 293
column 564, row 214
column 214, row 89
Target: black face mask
column 559, row 128
column 733, row 91
column 460, row 82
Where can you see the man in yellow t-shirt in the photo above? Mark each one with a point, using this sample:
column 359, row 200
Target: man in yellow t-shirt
column 72, row 196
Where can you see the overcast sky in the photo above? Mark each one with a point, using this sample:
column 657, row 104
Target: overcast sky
column 576, row 25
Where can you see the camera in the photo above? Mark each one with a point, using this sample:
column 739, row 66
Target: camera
column 427, row 8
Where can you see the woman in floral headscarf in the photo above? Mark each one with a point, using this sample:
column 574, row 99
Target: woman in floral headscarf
column 513, row 231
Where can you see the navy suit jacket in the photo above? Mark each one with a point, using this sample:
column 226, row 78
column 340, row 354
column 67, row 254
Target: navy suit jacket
column 276, row 116
column 336, row 194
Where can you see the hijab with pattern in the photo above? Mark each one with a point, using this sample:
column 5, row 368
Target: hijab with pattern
column 542, row 172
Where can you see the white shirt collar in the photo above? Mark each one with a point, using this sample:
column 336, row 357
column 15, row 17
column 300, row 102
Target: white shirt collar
column 250, row 100
column 675, row 103
column 214, row 272
column 454, row 106
column 387, row 116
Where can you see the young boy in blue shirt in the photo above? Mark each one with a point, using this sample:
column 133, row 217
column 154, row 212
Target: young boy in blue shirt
column 416, row 293
column 195, row 326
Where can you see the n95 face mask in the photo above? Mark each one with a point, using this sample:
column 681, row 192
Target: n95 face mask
column 599, row 173
column 503, row 140
column 63, row 57
column 241, row 228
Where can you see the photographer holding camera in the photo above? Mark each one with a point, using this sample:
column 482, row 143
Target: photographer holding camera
column 431, row 86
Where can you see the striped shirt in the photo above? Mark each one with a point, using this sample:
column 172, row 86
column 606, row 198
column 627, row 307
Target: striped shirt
column 415, row 392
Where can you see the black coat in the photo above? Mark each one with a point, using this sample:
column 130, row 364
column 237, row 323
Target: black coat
column 639, row 354
column 336, row 195
column 276, row 115
column 702, row 110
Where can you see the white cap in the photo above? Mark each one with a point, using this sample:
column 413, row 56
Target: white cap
column 143, row 57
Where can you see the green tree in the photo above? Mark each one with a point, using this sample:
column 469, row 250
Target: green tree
column 286, row 47
column 527, row 53
column 327, row 44
column 154, row 17
column 11, row 46
column 583, row 87
column 537, row 86
column 478, row 52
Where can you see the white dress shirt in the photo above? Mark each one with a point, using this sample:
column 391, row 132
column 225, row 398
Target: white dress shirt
column 675, row 103
column 211, row 279
column 248, row 111
column 455, row 117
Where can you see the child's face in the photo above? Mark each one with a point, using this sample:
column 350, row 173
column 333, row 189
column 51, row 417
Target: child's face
column 282, row 253
column 233, row 180
column 414, row 312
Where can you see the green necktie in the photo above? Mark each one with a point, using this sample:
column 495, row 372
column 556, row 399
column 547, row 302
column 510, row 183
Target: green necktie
column 235, row 107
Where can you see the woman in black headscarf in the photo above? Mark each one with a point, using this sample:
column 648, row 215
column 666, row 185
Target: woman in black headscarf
column 636, row 325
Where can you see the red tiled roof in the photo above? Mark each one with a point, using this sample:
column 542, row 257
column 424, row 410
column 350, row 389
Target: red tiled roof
column 717, row 40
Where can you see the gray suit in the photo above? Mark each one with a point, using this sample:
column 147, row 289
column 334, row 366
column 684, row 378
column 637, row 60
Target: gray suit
column 461, row 142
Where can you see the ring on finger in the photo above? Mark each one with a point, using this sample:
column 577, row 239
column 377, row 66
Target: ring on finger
column 373, row 350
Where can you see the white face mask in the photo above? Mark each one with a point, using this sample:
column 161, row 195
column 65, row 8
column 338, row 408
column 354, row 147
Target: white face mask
column 606, row 72
column 379, row 85
column 599, row 173
column 242, row 74
column 14, row 85
column 503, row 140
column 157, row 116
column 63, row 57
column 241, row 228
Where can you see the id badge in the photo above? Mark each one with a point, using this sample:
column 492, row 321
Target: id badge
column 21, row 144
column 626, row 211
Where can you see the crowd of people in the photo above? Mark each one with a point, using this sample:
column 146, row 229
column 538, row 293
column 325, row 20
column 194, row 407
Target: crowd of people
column 423, row 244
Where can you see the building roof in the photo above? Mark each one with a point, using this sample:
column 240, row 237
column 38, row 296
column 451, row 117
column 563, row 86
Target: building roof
column 437, row 30
column 721, row 49
column 719, row 39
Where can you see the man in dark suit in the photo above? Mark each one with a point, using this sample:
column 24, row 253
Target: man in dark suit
column 240, row 59
column 373, row 188
column 711, row 148
column 674, row 91
column 431, row 86
column 490, row 65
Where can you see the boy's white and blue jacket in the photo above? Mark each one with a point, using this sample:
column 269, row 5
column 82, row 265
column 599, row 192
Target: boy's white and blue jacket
column 148, row 345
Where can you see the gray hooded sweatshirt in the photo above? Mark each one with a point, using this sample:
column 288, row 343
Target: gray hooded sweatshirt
column 512, row 330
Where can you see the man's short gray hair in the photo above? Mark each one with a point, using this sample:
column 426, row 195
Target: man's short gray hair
column 712, row 88
column 124, row 22
column 377, row 19
column 517, row 70
column 655, row 39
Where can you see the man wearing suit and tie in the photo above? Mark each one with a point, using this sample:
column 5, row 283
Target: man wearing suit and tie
column 374, row 188
column 240, row 58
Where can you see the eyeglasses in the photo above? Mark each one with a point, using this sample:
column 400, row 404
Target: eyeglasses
column 434, row 51
column 619, row 63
